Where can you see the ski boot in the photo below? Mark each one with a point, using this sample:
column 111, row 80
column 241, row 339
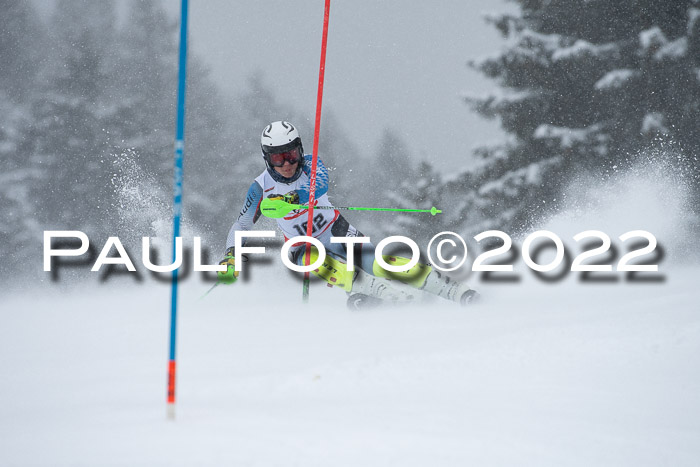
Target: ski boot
column 427, row 279
column 449, row 289
column 370, row 291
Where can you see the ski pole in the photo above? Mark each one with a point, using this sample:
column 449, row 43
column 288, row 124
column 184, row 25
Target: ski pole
column 212, row 288
column 276, row 208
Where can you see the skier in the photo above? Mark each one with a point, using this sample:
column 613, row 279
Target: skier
column 287, row 178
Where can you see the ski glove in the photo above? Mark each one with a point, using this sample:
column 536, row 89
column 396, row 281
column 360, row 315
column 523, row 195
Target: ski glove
column 230, row 275
column 292, row 197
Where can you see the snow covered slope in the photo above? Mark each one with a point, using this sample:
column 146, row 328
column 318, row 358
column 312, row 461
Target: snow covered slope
column 537, row 375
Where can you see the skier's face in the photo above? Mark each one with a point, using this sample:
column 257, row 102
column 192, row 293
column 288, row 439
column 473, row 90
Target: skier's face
column 287, row 170
column 285, row 163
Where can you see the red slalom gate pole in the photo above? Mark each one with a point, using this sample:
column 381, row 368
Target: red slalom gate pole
column 314, row 155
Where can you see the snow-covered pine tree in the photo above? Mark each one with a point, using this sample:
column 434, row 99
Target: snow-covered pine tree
column 394, row 160
column 386, row 178
column 338, row 150
column 146, row 85
column 427, row 188
column 21, row 38
column 67, row 139
column 584, row 86
column 422, row 190
column 207, row 148
column 147, row 54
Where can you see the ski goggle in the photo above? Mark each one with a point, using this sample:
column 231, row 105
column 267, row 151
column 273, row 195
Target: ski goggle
column 277, row 159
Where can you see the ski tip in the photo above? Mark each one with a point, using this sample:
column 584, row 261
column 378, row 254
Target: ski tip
column 435, row 210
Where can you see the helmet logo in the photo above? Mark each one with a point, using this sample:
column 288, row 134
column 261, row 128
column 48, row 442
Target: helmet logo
column 266, row 132
column 288, row 126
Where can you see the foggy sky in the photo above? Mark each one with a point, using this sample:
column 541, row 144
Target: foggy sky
column 389, row 63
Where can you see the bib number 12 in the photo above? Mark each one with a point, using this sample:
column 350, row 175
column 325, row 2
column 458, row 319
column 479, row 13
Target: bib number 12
column 319, row 222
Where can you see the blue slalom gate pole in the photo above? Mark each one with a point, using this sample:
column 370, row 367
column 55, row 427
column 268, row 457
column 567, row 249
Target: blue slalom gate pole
column 177, row 200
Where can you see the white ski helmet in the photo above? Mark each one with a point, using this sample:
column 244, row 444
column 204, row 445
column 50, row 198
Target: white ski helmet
column 280, row 137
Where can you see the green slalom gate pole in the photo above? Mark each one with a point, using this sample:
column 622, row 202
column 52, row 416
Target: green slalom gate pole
column 276, row 208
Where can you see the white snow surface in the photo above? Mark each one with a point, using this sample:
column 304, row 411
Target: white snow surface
column 536, row 375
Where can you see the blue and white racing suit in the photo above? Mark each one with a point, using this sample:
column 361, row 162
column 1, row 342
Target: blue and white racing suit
column 327, row 223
